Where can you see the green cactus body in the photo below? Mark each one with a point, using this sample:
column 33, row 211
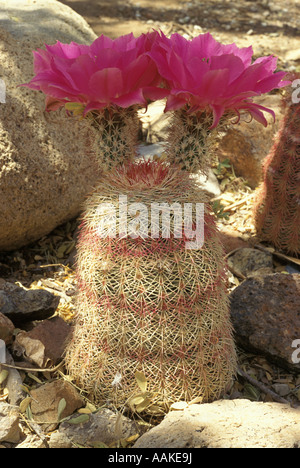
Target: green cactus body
column 150, row 306
column 277, row 208
column 191, row 140
column 115, row 135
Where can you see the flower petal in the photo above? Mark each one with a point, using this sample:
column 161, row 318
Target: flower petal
column 106, row 84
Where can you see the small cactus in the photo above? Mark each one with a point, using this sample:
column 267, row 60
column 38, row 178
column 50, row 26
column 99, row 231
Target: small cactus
column 191, row 140
column 115, row 136
column 277, row 208
column 150, row 306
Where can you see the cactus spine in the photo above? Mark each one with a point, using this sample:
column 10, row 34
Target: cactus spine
column 115, row 135
column 191, row 140
column 150, row 305
column 277, row 208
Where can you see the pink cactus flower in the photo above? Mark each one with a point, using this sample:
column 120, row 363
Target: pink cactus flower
column 107, row 72
column 205, row 74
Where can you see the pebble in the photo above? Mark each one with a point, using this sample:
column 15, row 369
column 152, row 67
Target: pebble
column 184, row 20
column 9, row 427
column 21, row 305
column 281, row 389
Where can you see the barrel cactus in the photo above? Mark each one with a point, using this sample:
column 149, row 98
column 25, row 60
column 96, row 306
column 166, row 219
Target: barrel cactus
column 149, row 305
column 277, row 208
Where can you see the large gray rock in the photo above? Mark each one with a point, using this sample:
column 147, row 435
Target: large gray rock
column 46, row 164
column 265, row 313
column 227, row 424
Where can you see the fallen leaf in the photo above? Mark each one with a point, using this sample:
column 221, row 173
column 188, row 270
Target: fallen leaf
column 143, row 405
column 141, row 381
column 61, row 406
column 99, row 445
column 34, row 377
column 84, row 410
column 24, row 404
column 79, row 419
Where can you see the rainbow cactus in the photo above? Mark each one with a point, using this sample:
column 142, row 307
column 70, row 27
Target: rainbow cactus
column 114, row 136
column 277, row 208
column 152, row 324
column 150, row 305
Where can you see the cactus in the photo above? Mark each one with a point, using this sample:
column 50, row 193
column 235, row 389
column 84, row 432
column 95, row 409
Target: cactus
column 277, row 207
column 152, row 324
column 150, row 306
column 191, row 140
column 115, row 135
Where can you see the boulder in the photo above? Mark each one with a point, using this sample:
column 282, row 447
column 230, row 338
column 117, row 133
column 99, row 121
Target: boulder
column 265, row 313
column 47, row 166
column 227, row 424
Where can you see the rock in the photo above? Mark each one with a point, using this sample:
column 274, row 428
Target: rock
column 21, row 305
column 59, row 440
column 151, row 151
column 246, row 143
column 6, row 329
column 46, row 165
column 14, row 383
column 265, row 313
column 227, row 424
column 2, row 351
column 248, row 261
column 282, row 389
column 104, row 426
column 9, row 423
column 46, row 399
column 44, row 345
